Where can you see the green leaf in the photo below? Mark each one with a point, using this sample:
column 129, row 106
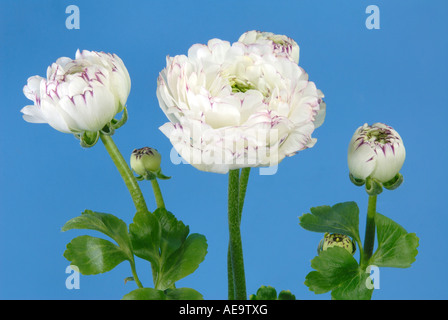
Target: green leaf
column 286, row 295
column 339, row 272
column 266, row 293
column 354, row 288
column 164, row 241
column 396, row 247
column 174, row 232
column 145, row 294
column 105, row 223
column 269, row 293
column 318, row 283
column 334, row 266
column 341, row 218
column 183, row 261
column 183, row 294
column 94, row 255
column 169, row 294
column 145, row 233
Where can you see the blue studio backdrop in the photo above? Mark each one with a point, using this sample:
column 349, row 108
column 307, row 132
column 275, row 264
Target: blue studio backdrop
column 390, row 70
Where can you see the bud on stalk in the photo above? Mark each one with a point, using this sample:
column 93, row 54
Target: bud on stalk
column 376, row 154
column 146, row 163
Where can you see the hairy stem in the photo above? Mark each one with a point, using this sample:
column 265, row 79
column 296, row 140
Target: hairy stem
column 130, row 182
column 244, row 179
column 125, row 172
column 235, row 243
column 369, row 239
column 157, row 193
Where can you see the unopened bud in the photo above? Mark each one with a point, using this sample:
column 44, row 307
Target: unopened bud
column 377, row 153
column 145, row 160
column 336, row 240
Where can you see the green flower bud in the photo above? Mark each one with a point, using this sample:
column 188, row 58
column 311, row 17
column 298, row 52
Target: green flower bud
column 336, row 240
column 145, row 161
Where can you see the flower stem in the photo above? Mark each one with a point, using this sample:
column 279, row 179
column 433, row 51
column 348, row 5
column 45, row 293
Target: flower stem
column 134, row 274
column 131, row 184
column 369, row 239
column 125, row 172
column 244, row 178
column 235, row 243
column 230, row 286
column 157, row 193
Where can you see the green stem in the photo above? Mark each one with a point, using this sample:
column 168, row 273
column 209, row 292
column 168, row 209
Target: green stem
column 235, row 243
column 134, row 274
column 157, row 193
column 230, row 286
column 131, row 183
column 369, row 239
column 125, row 172
column 244, row 179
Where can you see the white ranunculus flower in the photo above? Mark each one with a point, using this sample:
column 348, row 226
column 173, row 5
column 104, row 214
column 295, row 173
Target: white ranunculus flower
column 237, row 105
column 81, row 95
column 376, row 151
column 280, row 44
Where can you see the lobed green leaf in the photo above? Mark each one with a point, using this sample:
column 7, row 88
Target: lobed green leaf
column 164, row 241
column 339, row 272
column 173, row 232
column 145, row 234
column 105, row 223
column 269, row 293
column 94, row 255
column 340, row 218
column 183, row 261
column 396, row 247
column 159, row 238
column 354, row 288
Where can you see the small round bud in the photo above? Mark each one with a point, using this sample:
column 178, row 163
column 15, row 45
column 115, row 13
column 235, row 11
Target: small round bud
column 336, row 240
column 146, row 161
column 376, row 152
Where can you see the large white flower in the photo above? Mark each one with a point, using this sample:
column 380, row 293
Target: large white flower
column 376, row 151
column 237, row 105
column 81, row 95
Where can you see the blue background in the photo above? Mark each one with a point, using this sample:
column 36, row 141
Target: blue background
column 395, row 75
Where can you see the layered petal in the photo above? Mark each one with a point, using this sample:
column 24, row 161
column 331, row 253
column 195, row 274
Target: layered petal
column 376, row 151
column 279, row 44
column 238, row 105
column 78, row 95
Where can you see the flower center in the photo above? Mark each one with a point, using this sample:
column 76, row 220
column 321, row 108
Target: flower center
column 245, row 75
column 379, row 135
column 74, row 70
column 240, row 85
column 76, row 67
column 278, row 40
column 138, row 153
